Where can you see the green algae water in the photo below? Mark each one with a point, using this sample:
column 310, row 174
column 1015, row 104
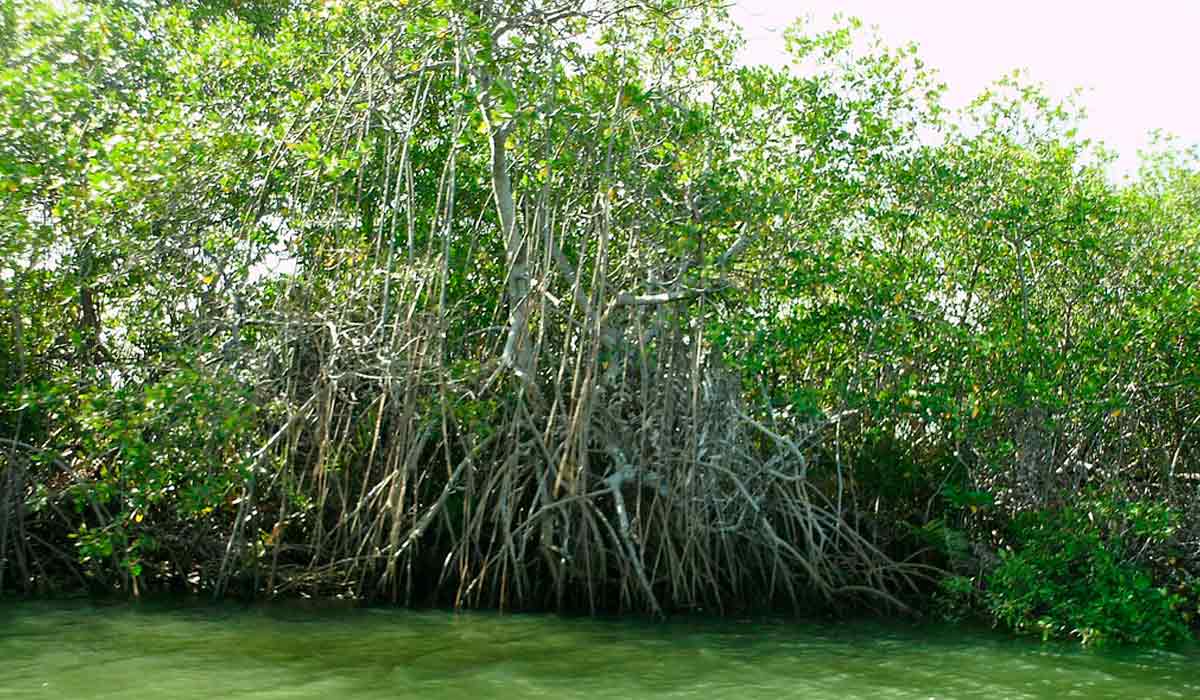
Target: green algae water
column 180, row 651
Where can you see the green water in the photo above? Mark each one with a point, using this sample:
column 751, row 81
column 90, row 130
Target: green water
column 180, row 651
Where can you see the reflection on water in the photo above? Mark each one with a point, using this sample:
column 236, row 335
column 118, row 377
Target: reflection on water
column 181, row 651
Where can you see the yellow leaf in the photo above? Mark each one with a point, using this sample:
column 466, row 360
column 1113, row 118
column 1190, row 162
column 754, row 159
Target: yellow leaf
column 137, row 517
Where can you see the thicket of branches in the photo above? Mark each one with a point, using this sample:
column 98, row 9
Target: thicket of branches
column 549, row 303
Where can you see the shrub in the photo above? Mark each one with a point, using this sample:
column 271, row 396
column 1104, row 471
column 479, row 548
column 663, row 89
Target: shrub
column 1084, row 571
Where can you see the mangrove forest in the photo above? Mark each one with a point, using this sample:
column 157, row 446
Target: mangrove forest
column 557, row 305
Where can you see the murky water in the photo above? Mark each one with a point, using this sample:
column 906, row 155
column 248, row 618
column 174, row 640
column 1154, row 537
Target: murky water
column 180, row 651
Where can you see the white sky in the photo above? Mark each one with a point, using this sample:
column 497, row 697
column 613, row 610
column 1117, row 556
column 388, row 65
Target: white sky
column 1139, row 62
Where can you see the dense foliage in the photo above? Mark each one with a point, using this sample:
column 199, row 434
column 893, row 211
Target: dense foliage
column 551, row 303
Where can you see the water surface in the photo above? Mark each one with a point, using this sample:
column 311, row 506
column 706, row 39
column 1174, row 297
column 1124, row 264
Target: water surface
column 183, row 651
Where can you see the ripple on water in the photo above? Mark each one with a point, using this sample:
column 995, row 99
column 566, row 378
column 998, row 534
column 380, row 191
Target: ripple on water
column 185, row 651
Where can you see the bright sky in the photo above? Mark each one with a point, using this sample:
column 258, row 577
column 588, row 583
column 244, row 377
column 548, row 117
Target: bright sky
column 1139, row 62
